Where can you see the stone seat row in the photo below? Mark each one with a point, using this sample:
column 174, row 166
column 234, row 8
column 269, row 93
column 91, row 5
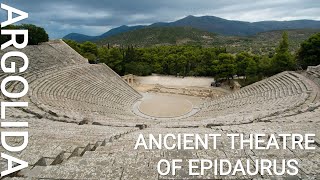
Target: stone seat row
column 53, row 53
column 118, row 158
column 71, row 90
column 279, row 85
column 48, row 139
column 313, row 72
column 285, row 89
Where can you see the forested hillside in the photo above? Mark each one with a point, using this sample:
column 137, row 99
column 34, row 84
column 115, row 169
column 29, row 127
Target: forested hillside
column 211, row 24
column 262, row 43
column 157, row 36
column 195, row 60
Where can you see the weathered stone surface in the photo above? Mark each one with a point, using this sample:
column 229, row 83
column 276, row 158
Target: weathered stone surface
column 81, row 123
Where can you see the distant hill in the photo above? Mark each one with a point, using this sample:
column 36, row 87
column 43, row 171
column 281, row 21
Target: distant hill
column 265, row 42
column 151, row 36
column 239, row 28
column 81, row 38
column 261, row 43
column 211, row 24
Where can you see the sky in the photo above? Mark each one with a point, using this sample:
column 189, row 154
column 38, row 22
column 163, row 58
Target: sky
column 94, row 17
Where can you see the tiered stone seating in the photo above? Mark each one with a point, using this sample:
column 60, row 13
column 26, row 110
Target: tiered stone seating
column 97, row 130
column 85, row 89
column 52, row 142
column 119, row 159
column 63, row 86
column 48, row 55
column 287, row 91
column 313, row 72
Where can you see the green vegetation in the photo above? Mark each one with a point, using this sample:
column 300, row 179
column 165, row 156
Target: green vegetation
column 36, row 34
column 309, row 53
column 283, row 60
column 185, row 54
column 209, row 24
column 195, row 60
column 262, row 43
column 157, row 36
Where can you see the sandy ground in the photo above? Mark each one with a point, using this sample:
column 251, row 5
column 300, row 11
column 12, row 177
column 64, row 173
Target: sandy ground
column 167, row 105
column 174, row 81
column 169, row 96
column 144, row 87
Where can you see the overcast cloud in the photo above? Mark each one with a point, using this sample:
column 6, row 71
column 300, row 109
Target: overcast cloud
column 94, row 17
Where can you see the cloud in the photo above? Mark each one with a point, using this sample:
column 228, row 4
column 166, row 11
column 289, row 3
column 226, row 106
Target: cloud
column 60, row 17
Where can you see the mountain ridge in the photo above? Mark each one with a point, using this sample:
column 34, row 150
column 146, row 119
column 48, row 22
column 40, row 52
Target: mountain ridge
column 261, row 43
column 149, row 36
column 211, row 24
column 121, row 29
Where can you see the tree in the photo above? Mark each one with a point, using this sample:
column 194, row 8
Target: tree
column 138, row 68
column 283, row 60
column 184, row 60
column 74, row 45
column 91, row 57
column 252, row 68
column 90, row 51
column 89, row 47
column 309, row 52
column 36, row 35
column 227, row 66
column 115, row 60
column 103, row 54
column 284, row 44
column 265, row 66
column 242, row 60
column 3, row 38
